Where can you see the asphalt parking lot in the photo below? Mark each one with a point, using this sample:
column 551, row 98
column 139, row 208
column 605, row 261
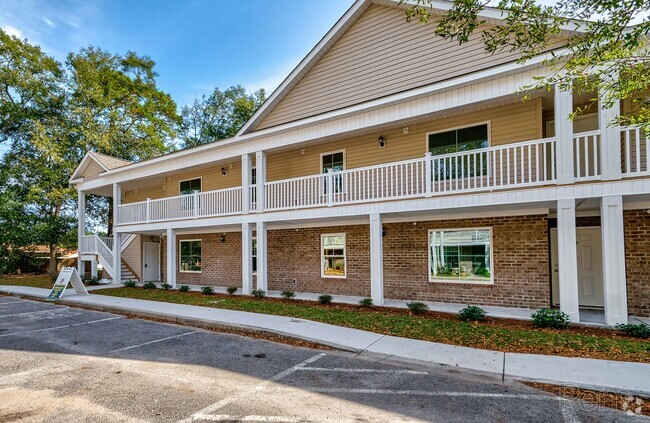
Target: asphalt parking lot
column 60, row 364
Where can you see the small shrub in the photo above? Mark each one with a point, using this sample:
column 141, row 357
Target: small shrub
column 149, row 285
column 258, row 293
column 325, row 299
column 184, row 288
column 637, row 331
column 93, row 281
column 366, row 303
column 165, row 286
column 417, row 307
column 547, row 318
column 472, row 314
column 288, row 294
column 207, row 290
column 130, row 284
column 231, row 290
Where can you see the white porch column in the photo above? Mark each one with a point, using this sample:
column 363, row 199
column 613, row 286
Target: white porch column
column 260, row 166
column 81, row 228
column 568, row 258
column 262, row 268
column 564, row 136
column 117, row 237
column 376, row 260
column 171, row 257
column 93, row 268
column 614, row 281
column 247, row 258
column 610, row 136
column 246, row 170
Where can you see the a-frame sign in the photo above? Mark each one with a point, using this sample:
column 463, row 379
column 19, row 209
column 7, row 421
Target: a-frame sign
column 67, row 275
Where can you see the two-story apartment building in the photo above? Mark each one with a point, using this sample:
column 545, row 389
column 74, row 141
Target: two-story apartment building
column 395, row 165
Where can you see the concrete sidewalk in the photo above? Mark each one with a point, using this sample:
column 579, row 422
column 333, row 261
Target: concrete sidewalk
column 606, row 375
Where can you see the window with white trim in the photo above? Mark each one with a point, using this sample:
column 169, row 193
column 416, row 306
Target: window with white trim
column 336, row 162
column 458, row 140
column 190, row 255
column 460, row 255
column 191, row 186
column 333, row 256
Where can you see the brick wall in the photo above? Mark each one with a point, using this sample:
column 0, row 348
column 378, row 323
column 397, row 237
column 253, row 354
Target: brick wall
column 520, row 263
column 637, row 261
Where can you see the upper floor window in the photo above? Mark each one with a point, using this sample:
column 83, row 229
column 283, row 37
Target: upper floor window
column 191, row 186
column 336, row 162
column 459, row 139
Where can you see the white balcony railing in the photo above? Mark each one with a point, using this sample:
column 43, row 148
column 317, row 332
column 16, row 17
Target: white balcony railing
column 635, row 149
column 587, row 155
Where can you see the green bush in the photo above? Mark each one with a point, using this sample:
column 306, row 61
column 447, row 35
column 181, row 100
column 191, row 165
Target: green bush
column 129, row 284
column 547, row 318
column 231, row 290
column 165, row 286
column 472, row 314
column 184, row 288
column 325, row 299
column 417, row 307
column 207, row 290
column 149, row 285
column 92, row 281
column 366, row 303
column 258, row 293
column 637, row 331
column 288, row 294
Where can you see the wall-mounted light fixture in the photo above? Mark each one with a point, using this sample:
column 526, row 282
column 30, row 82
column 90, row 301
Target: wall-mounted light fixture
column 384, row 231
column 224, row 172
column 381, row 141
column 222, row 237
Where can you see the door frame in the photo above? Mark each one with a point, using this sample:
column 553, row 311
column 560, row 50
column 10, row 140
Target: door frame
column 144, row 254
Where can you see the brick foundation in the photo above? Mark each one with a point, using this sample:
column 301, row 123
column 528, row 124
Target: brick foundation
column 636, row 224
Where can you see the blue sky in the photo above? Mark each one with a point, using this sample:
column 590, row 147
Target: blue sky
column 196, row 44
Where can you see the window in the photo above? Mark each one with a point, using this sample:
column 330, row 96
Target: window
column 190, row 255
column 254, row 184
column 460, row 255
column 191, row 186
column 336, row 162
column 458, row 140
column 254, row 254
column 333, row 256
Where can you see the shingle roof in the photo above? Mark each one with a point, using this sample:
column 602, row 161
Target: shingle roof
column 109, row 161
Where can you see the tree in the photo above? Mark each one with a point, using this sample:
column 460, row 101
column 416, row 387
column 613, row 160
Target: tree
column 218, row 116
column 606, row 47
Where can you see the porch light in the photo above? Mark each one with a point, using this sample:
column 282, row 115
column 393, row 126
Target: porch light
column 222, row 238
column 382, row 143
column 224, row 172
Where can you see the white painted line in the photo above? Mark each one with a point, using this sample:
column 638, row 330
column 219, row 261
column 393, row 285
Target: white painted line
column 151, row 342
column 199, row 415
column 229, row 418
column 60, row 327
column 568, row 412
column 30, row 313
column 14, row 378
column 346, row 370
column 428, row 393
column 12, row 302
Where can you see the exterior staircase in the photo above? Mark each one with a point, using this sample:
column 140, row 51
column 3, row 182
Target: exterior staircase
column 127, row 275
column 102, row 248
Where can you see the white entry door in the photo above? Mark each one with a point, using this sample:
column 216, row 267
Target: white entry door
column 151, row 262
column 590, row 267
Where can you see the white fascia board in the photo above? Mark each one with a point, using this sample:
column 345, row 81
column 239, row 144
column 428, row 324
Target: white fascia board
column 83, row 164
column 539, row 199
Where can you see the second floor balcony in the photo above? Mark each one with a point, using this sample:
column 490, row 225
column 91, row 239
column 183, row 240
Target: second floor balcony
column 510, row 166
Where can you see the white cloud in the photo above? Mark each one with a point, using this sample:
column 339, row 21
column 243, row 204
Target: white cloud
column 11, row 30
column 48, row 22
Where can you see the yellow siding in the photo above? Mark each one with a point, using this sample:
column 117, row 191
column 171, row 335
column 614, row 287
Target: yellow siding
column 142, row 194
column 380, row 55
column 512, row 123
column 132, row 255
column 92, row 170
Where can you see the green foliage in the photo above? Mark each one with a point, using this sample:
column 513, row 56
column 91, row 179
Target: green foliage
column 548, row 318
column 149, row 285
column 92, row 281
column 325, row 299
column 129, row 284
column 207, row 290
column 165, row 286
column 366, row 303
column 417, row 307
column 288, row 295
column 219, row 115
column 258, row 293
column 472, row 313
column 184, row 288
column 231, row 290
column 608, row 40
column 638, row 331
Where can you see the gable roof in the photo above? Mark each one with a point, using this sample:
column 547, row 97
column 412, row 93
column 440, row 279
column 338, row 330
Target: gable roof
column 101, row 162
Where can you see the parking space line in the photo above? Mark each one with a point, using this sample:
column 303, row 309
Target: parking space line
column 346, row 370
column 61, row 327
column 12, row 302
column 252, row 418
column 568, row 412
column 47, row 310
column 427, row 393
column 201, row 414
column 155, row 341
column 14, row 378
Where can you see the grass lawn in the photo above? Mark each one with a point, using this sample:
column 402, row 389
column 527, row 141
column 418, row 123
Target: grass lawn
column 495, row 334
column 36, row 281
